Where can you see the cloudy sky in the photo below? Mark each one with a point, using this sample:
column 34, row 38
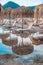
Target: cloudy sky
column 23, row 2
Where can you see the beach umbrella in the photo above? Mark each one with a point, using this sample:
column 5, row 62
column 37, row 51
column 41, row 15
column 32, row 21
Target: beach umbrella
column 23, row 48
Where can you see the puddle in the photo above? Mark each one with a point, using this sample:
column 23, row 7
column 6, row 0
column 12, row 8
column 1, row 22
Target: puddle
column 38, row 50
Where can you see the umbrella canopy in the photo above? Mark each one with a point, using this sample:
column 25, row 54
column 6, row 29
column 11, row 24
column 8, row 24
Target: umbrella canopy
column 10, row 40
column 23, row 48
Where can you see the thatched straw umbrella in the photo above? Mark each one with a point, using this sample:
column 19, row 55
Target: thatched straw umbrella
column 37, row 38
column 10, row 40
column 23, row 48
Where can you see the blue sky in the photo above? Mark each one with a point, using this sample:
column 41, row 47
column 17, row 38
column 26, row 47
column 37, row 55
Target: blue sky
column 23, row 2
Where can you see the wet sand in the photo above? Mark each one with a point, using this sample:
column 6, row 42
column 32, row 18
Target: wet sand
column 20, row 63
column 6, row 58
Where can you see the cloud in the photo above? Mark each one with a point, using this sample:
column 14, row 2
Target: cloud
column 23, row 2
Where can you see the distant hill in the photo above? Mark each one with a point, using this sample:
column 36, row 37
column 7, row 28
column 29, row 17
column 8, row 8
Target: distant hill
column 31, row 7
column 15, row 5
column 10, row 4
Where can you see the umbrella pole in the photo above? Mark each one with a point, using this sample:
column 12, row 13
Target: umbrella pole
column 10, row 24
column 22, row 28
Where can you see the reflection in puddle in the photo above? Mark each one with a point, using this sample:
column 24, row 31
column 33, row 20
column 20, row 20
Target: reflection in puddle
column 30, row 57
column 38, row 50
column 4, row 49
column 3, row 31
